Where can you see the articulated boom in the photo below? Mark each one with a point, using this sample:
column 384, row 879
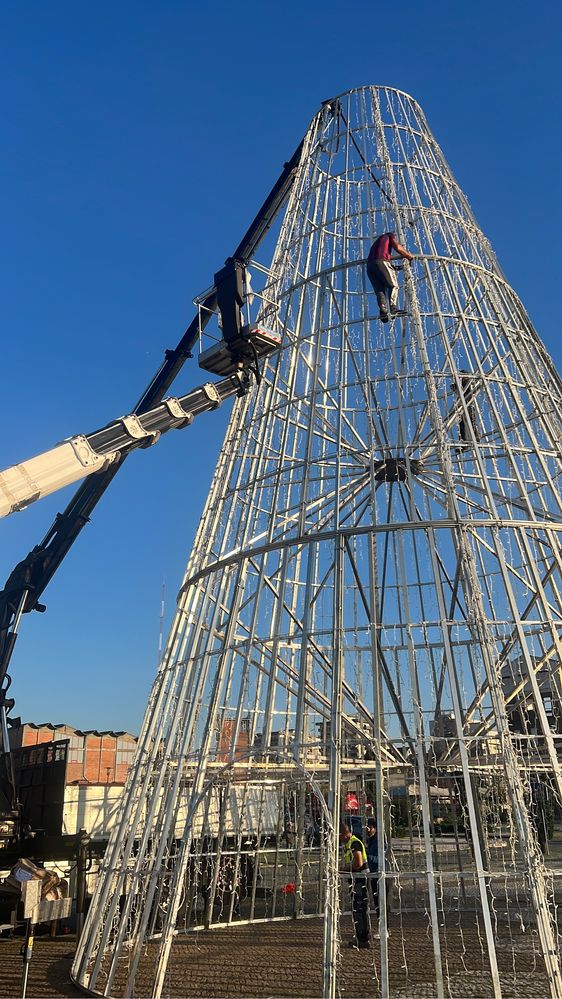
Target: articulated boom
column 235, row 357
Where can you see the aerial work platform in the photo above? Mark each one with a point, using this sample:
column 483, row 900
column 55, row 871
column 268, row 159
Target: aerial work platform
column 253, row 343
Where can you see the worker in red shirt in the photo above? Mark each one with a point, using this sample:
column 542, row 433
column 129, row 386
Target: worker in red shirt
column 382, row 274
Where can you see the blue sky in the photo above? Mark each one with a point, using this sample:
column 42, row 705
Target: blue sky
column 139, row 139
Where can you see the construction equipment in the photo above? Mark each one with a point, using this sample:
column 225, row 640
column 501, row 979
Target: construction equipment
column 235, row 357
column 89, row 454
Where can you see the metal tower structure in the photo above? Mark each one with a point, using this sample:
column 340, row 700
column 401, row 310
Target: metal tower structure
column 370, row 619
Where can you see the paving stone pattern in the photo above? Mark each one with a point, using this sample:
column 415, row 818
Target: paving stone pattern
column 285, row 959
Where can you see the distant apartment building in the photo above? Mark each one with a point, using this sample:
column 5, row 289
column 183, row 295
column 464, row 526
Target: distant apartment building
column 92, row 757
column 69, row 779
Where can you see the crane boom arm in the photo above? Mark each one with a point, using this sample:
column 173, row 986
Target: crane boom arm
column 88, row 454
column 30, row 577
column 174, row 359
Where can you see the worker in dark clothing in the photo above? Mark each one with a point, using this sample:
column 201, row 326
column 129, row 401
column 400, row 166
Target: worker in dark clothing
column 382, row 274
column 355, row 864
column 468, row 389
column 372, row 849
column 229, row 283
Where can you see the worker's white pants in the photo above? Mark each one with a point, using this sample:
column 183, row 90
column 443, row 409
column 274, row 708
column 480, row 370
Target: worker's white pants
column 384, row 280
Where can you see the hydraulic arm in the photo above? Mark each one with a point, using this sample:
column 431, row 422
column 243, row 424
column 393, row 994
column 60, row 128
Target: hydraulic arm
column 89, row 454
column 31, row 576
column 105, row 450
column 43, row 561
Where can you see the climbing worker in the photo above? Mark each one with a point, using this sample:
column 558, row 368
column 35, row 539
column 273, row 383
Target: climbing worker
column 468, row 389
column 355, row 865
column 382, row 274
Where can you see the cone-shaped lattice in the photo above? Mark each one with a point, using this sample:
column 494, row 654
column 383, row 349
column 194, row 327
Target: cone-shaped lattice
column 369, row 623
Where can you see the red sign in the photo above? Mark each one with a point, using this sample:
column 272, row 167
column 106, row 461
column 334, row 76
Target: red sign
column 351, row 802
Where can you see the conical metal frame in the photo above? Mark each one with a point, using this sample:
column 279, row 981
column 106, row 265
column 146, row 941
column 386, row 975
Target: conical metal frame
column 372, row 604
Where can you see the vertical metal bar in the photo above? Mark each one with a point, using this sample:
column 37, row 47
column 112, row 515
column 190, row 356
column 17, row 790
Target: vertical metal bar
column 414, row 682
column 331, row 918
column 378, row 724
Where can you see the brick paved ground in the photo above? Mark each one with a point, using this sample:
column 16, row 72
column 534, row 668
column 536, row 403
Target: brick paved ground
column 49, row 973
column 284, row 959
